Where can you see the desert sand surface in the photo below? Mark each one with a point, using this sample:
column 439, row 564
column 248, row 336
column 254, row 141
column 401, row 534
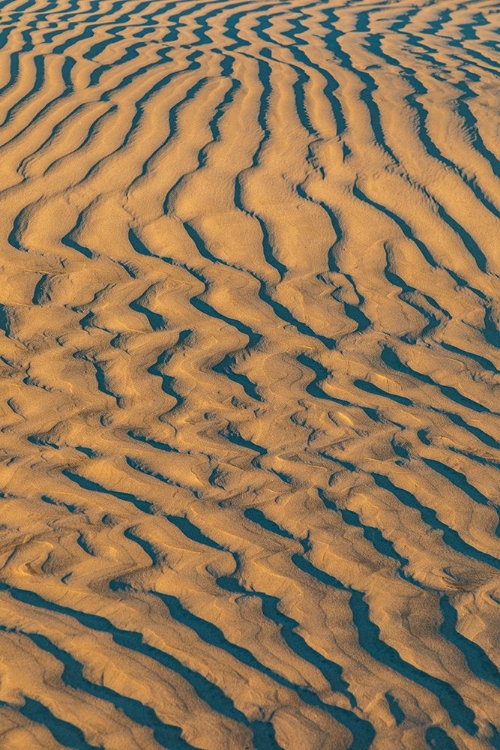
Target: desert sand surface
column 249, row 352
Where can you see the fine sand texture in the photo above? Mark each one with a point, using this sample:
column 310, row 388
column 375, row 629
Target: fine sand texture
column 249, row 356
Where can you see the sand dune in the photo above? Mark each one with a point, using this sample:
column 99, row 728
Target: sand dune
column 249, row 344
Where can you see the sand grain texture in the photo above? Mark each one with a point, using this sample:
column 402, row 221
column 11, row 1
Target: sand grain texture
column 249, row 312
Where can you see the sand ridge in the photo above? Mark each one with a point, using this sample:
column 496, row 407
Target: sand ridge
column 249, row 333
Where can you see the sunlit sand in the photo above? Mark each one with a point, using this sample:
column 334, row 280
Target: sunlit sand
column 249, row 331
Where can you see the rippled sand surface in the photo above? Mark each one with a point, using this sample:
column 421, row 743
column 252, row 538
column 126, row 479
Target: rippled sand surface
column 249, row 316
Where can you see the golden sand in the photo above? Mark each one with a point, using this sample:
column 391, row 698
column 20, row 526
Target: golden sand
column 249, row 312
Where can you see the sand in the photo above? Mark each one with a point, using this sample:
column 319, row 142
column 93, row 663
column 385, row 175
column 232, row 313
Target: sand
column 249, row 312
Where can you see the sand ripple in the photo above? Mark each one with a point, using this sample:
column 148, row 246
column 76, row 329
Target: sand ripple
column 249, row 354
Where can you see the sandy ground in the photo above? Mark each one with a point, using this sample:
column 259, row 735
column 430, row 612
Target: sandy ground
column 249, row 312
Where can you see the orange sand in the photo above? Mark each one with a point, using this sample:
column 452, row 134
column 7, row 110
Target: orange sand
column 249, row 312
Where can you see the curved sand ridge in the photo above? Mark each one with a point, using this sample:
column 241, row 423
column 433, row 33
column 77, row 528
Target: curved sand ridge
column 249, row 356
